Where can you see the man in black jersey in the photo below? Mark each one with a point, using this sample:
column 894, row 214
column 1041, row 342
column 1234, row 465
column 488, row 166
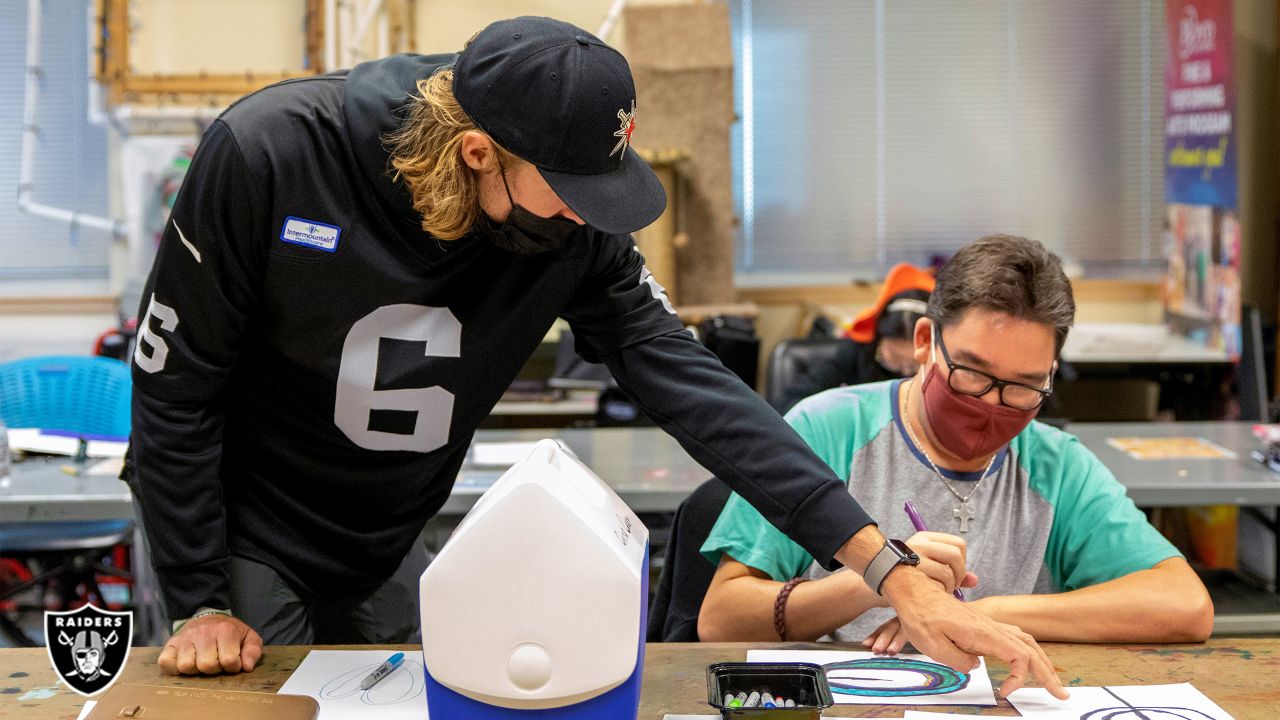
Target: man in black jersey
column 356, row 267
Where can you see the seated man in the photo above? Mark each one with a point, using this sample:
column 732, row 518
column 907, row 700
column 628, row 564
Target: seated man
column 1057, row 547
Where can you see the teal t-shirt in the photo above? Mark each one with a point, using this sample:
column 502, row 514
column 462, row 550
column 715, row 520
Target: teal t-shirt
column 1048, row 515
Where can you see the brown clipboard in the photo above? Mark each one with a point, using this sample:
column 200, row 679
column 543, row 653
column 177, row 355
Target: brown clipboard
column 172, row 702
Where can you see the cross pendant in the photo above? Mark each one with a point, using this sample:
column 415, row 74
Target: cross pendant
column 964, row 514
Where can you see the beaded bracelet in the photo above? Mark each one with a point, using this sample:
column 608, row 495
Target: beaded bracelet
column 202, row 612
column 780, row 606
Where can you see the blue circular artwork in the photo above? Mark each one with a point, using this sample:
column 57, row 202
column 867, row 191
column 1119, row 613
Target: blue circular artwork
column 913, row 678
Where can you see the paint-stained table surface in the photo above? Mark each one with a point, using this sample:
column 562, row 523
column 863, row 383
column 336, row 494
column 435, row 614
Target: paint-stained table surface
column 1241, row 675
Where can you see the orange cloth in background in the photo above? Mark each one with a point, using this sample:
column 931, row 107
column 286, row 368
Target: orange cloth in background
column 1214, row 529
column 901, row 278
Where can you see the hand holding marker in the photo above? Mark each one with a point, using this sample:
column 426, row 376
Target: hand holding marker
column 382, row 671
column 918, row 523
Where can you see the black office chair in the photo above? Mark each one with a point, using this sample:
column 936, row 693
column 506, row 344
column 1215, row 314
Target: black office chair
column 797, row 368
column 1251, row 373
column 686, row 574
column 733, row 339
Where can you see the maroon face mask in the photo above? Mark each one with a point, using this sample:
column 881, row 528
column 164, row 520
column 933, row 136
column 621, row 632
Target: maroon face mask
column 964, row 425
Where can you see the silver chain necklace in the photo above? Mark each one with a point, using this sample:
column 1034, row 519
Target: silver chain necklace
column 965, row 512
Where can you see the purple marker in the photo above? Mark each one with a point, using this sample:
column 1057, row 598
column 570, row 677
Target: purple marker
column 918, row 523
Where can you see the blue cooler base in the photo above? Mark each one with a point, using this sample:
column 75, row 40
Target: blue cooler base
column 620, row 703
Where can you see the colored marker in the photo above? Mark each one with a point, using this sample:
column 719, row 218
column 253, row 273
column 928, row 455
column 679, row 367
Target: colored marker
column 382, row 671
column 918, row 523
column 766, row 700
column 728, row 699
column 753, row 699
column 789, row 703
column 739, row 700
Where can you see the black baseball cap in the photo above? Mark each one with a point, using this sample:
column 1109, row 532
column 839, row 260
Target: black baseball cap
column 558, row 97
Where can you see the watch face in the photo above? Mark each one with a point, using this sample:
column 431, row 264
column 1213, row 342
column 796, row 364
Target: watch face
column 908, row 555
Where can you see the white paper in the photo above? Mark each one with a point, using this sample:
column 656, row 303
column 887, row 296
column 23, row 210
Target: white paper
column 35, row 440
column 921, row 715
column 333, row 678
column 875, row 679
column 500, row 454
column 1157, row 702
column 111, row 467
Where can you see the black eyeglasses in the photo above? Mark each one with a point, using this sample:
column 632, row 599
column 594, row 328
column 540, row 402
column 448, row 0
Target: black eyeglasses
column 968, row 381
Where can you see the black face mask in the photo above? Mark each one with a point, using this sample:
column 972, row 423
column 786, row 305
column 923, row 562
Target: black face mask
column 525, row 233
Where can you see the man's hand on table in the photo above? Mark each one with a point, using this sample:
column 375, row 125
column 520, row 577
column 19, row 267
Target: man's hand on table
column 211, row 645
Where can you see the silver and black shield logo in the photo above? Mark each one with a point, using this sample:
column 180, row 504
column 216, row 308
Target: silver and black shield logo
column 88, row 647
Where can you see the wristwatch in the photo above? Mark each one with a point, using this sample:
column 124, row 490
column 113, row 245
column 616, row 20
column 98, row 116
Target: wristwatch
column 893, row 554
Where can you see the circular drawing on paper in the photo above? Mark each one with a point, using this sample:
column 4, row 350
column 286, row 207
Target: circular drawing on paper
column 892, row 677
column 1146, row 713
column 402, row 685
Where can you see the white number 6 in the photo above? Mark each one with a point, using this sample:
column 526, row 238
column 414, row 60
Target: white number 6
column 358, row 371
column 154, row 362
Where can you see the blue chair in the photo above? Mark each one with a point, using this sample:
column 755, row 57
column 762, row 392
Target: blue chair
column 78, row 394
column 81, row 394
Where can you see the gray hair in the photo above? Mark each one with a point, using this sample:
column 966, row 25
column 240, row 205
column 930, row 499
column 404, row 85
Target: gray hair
column 1006, row 274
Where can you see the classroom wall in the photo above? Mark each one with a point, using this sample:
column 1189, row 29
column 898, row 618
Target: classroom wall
column 267, row 35
column 223, row 37
column 41, row 326
column 682, row 59
column 273, row 39
column 1257, row 31
column 445, row 26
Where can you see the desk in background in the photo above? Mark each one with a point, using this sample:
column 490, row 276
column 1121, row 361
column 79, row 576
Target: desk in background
column 1241, row 675
column 574, row 408
column 647, row 468
column 1134, row 344
column 1190, row 376
column 653, row 475
column 1183, row 482
column 1174, row 483
column 37, row 490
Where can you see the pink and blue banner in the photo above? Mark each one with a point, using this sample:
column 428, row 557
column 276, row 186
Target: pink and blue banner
column 1202, row 227
column 1199, row 141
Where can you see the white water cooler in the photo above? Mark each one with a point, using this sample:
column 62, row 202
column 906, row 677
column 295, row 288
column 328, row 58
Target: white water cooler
column 537, row 605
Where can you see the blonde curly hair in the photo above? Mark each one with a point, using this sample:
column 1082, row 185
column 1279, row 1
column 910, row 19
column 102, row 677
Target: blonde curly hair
column 426, row 152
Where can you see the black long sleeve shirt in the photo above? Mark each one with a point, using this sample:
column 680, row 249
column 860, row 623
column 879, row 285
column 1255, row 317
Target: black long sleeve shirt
column 312, row 366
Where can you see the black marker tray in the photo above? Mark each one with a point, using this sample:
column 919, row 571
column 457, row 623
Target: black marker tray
column 805, row 683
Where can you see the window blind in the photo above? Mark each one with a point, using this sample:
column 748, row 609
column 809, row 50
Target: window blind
column 71, row 153
column 872, row 132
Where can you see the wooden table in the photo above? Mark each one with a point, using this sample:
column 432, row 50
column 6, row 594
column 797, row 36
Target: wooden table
column 1241, row 675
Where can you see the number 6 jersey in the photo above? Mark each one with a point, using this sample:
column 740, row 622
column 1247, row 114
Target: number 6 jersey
column 311, row 366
